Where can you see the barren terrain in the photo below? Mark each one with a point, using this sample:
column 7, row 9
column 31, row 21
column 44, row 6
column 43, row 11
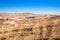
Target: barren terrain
column 28, row 26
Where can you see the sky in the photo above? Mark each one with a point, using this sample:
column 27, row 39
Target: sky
column 30, row 6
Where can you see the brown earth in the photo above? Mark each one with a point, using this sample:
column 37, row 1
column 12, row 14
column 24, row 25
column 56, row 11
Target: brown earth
column 28, row 26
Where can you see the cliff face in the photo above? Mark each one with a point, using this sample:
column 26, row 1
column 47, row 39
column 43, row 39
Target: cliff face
column 29, row 27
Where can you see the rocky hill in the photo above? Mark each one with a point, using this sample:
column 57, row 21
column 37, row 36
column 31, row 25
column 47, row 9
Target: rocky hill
column 28, row 26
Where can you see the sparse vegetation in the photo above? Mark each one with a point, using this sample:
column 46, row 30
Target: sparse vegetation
column 29, row 27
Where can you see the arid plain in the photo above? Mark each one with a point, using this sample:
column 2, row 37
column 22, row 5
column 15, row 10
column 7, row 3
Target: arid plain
column 29, row 26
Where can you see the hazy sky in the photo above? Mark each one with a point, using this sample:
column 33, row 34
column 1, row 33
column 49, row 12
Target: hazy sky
column 33, row 6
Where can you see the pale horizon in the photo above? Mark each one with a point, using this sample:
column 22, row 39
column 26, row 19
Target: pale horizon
column 30, row 6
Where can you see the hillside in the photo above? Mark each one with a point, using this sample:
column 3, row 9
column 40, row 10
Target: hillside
column 28, row 26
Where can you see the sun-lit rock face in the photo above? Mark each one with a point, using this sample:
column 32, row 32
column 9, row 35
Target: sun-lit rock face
column 28, row 26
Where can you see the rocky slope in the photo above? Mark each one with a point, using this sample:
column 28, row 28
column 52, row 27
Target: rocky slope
column 28, row 26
